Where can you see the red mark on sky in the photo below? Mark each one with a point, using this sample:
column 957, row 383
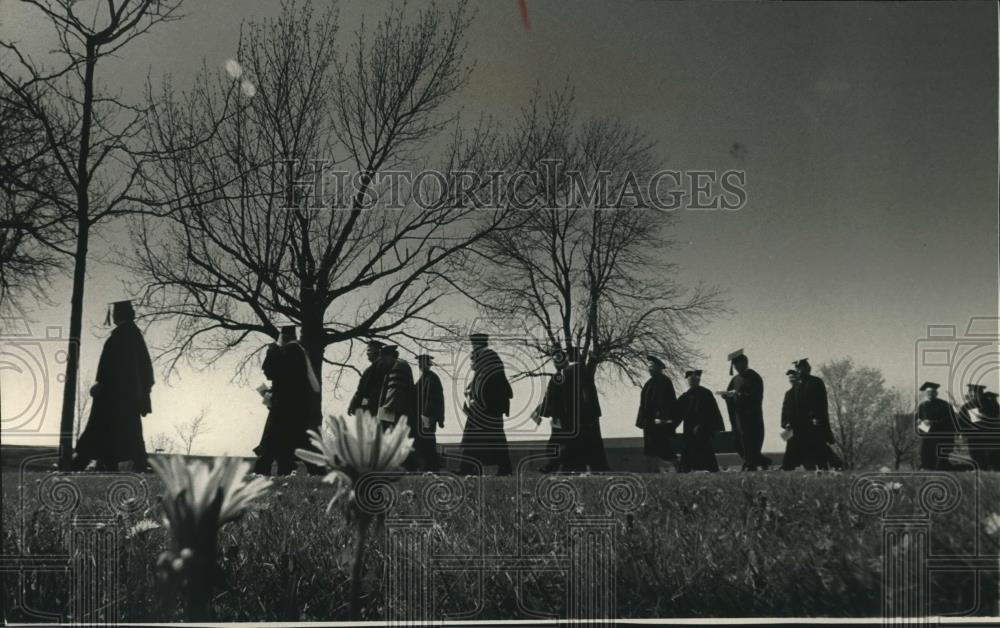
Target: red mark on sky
column 524, row 14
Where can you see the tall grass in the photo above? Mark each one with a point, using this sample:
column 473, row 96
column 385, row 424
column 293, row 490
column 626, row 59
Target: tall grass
column 721, row 545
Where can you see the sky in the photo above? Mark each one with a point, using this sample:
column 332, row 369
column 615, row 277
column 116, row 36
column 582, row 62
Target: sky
column 869, row 142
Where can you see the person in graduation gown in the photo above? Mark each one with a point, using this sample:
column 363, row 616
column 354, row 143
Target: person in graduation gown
column 936, row 429
column 430, row 410
column 306, row 397
column 370, row 384
column 793, row 456
column 295, row 405
column 397, row 400
column 979, row 421
column 121, row 397
column 657, row 417
column 991, row 411
column 561, row 442
column 487, row 401
column 700, row 414
column 811, row 419
column 586, row 406
column 744, row 400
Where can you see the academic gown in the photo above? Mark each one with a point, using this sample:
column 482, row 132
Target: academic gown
column 430, row 404
column 747, row 416
column 810, row 423
column 586, row 406
column 657, row 402
column 488, row 396
column 125, row 379
column 571, row 400
column 295, row 406
column 935, row 443
column 370, row 386
column 702, row 418
column 983, row 436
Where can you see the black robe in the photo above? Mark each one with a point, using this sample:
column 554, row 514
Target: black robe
column 934, row 444
column 125, row 379
column 430, row 404
column 370, row 386
column 488, row 396
column 430, row 398
column 702, row 418
column 747, row 416
column 295, row 405
column 983, row 436
column 809, row 419
column 398, row 396
column 658, row 401
column 571, row 400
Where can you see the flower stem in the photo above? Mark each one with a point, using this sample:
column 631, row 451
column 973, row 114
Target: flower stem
column 357, row 569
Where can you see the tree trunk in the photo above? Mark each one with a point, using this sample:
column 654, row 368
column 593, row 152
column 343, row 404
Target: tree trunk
column 73, row 350
column 80, row 264
column 314, row 343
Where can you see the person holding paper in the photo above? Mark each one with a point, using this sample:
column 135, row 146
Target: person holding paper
column 793, row 455
column 744, row 399
column 936, row 429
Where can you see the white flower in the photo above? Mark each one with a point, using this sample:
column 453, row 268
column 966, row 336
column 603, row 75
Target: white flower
column 249, row 89
column 895, row 486
column 993, row 524
column 233, row 69
column 200, row 498
column 885, row 470
column 352, row 447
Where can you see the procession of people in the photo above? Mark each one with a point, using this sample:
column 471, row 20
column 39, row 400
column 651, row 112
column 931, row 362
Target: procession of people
column 387, row 391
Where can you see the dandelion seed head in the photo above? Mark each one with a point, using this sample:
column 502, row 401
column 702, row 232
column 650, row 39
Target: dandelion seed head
column 233, row 68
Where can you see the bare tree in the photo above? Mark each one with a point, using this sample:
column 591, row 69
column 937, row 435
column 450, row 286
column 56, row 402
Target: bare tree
column 89, row 133
column 256, row 253
column 31, row 225
column 582, row 274
column 860, row 405
column 899, row 431
column 188, row 432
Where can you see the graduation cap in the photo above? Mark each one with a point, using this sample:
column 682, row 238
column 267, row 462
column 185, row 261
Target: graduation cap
column 656, row 361
column 479, row 338
column 976, row 387
column 734, row 355
column 375, row 344
column 389, row 350
column 692, row 373
column 929, row 385
column 801, row 362
column 425, row 358
column 119, row 310
column 288, row 330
